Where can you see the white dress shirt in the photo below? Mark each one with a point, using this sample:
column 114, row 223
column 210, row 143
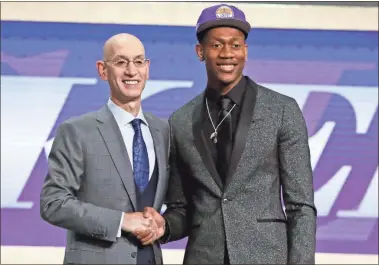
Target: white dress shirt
column 123, row 119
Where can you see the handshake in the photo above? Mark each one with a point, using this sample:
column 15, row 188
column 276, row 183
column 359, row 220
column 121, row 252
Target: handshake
column 147, row 226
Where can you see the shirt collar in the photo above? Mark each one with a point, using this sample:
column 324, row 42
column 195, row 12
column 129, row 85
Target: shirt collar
column 235, row 94
column 123, row 117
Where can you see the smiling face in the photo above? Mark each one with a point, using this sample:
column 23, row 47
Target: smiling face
column 224, row 51
column 124, row 67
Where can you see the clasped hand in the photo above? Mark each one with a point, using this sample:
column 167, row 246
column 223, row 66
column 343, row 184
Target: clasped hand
column 147, row 226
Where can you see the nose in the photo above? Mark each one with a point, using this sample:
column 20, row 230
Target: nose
column 131, row 69
column 226, row 52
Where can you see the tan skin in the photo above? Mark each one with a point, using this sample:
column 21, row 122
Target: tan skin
column 115, row 69
column 221, row 46
column 145, row 236
column 118, row 49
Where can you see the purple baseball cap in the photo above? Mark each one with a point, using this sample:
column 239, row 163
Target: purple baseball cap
column 222, row 15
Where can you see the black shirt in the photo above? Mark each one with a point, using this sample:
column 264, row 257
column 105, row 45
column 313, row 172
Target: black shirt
column 213, row 96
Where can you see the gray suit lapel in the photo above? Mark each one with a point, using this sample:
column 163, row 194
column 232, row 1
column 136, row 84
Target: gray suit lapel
column 200, row 142
column 243, row 128
column 161, row 158
column 252, row 145
column 111, row 134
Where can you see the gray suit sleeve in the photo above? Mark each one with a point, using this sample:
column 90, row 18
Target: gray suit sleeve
column 297, row 186
column 176, row 214
column 58, row 201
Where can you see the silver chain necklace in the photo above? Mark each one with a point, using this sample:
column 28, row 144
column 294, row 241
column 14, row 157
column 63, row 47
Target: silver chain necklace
column 214, row 134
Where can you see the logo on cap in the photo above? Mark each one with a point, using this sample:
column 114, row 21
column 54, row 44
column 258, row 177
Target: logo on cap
column 224, row 12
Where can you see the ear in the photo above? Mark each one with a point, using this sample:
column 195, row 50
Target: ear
column 100, row 65
column 147, row 69
column 200, row 51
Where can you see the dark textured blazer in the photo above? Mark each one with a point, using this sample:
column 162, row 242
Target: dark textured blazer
column 270, row 158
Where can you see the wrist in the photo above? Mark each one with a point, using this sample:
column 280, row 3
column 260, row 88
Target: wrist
column 125, row 223
column 166, row 232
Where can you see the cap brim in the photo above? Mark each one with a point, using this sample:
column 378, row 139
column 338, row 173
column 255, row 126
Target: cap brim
column 241, row 25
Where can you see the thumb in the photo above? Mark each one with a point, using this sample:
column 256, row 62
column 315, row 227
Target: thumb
column 147, row 213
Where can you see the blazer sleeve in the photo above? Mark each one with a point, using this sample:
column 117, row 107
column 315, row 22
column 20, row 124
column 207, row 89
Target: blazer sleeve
column 297, row 185
column 177, row 212
column 59, row 205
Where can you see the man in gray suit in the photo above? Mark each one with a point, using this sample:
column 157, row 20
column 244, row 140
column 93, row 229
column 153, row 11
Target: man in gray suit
column 105, row 167
column 237, row 149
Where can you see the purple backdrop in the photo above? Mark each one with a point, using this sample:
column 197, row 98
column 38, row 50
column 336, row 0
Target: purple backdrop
column 50, row 69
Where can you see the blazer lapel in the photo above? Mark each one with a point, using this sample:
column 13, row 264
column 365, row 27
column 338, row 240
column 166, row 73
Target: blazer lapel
column 111, row 134
column 160, row 154
column 200, row 143
column 243, row 127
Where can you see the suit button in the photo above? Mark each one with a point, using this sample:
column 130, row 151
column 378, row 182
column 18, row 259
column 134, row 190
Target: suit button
column 134, row 254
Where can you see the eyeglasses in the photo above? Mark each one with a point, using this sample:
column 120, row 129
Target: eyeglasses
column 122, row 63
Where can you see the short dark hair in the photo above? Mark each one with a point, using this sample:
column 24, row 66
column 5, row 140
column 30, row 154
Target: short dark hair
column 201, row 36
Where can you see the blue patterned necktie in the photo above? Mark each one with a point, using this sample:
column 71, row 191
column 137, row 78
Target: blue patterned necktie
column 140, row 157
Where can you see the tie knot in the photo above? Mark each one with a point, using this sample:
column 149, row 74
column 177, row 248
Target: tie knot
column 225, row 102
column 136, row 123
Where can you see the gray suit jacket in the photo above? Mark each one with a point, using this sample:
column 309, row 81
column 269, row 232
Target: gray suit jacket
column 90, row 183
column 271, row 154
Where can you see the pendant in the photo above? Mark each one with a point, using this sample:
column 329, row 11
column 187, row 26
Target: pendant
column 214, row 137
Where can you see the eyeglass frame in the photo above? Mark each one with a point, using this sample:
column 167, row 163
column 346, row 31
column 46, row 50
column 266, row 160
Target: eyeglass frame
column 145, row 60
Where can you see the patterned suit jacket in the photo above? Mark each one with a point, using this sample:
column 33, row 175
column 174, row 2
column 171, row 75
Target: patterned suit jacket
column 270, row 158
